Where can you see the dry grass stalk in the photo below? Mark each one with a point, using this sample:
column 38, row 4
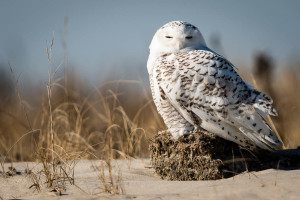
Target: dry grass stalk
column 16, row 81
column 49, row 92
column 57, row 173
column 112, row 182
column 36, row 182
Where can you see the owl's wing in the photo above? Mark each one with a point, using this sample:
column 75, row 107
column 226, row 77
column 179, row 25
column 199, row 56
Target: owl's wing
column 203, row 85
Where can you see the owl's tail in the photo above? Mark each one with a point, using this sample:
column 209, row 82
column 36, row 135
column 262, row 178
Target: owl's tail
column 254, row 127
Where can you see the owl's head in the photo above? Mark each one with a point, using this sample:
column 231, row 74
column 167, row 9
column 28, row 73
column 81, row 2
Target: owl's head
column 176, row 36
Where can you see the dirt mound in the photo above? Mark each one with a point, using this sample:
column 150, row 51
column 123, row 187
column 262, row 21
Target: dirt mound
column 204, row 156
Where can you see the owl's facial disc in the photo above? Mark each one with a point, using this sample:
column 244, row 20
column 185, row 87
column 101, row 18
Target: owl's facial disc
column 176, row 36
column 173, row 37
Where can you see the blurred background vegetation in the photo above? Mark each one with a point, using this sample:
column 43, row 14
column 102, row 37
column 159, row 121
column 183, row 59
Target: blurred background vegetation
column 100, row 99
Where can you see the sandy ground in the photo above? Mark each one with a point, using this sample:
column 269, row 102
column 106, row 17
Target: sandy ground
column 140, row 182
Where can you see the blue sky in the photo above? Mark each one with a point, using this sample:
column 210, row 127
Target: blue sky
column 114, row 35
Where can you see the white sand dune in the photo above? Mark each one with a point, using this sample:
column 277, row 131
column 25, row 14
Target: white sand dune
column 140, row 182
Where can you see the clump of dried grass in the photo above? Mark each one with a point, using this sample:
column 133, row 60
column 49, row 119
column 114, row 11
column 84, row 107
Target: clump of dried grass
column 56, row 173
column 110, row 177
column 204, row 156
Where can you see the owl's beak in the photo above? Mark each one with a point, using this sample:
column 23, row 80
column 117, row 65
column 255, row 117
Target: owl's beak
column 179, row 45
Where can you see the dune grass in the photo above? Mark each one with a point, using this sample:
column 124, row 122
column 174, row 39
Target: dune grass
column 74, row 121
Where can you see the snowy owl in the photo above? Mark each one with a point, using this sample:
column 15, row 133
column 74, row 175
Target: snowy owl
column 195, row 88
